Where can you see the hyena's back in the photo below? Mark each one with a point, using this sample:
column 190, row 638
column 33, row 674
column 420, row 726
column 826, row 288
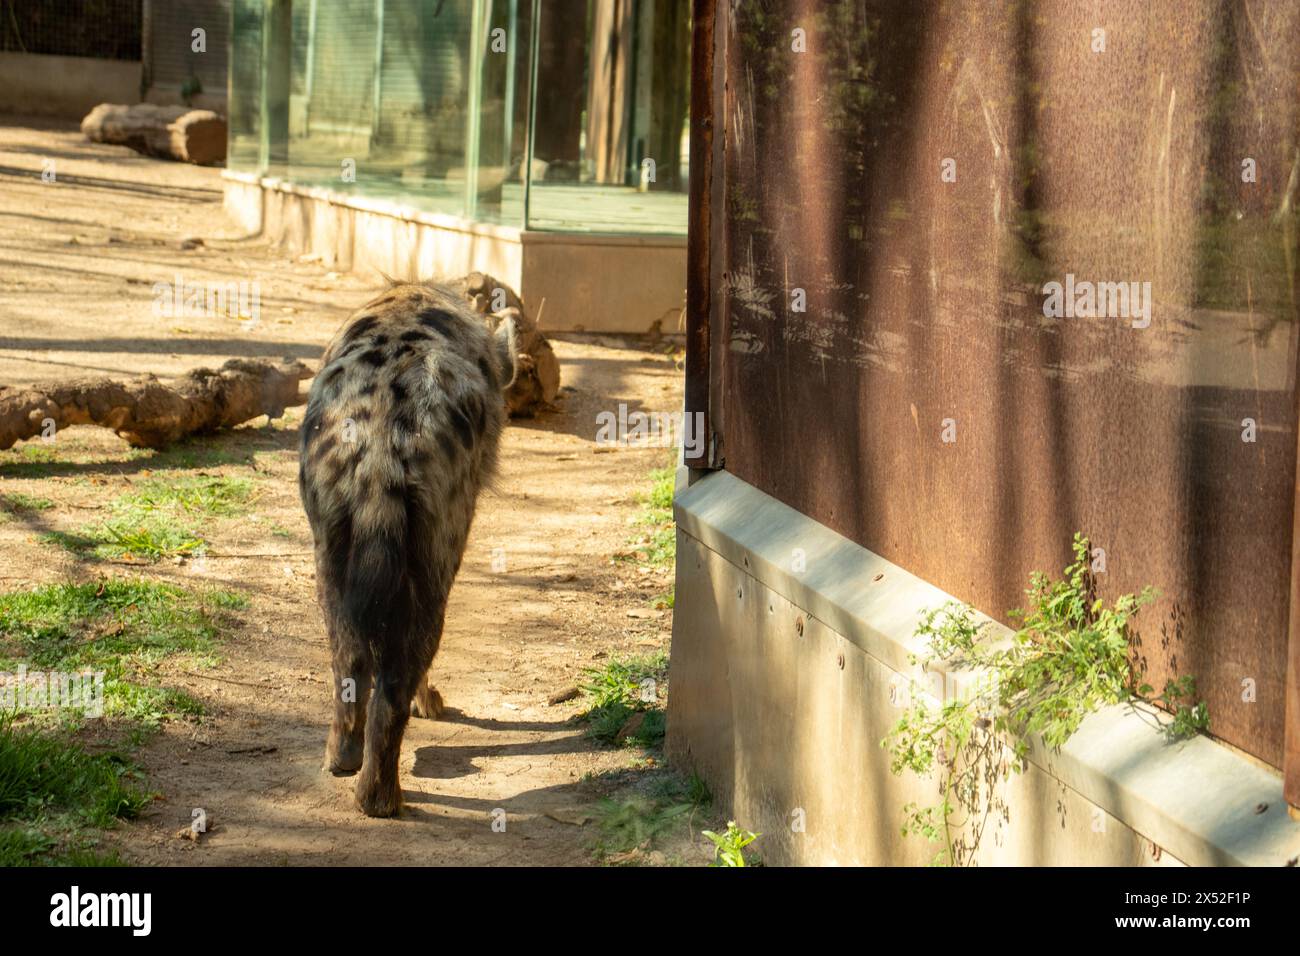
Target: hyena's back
column 401, row 432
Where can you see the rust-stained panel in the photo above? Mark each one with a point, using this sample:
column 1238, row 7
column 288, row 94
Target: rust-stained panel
column 699, row 261
column 923, row 302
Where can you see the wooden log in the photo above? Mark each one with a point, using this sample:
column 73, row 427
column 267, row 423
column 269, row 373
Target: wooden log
column 537, row 370
column 149, row 414
column 169, row 132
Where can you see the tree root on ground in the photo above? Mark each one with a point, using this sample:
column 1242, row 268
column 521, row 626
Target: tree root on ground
column 149, row 414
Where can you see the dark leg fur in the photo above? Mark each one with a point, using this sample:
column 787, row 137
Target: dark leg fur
column 428, row 702
column 379, row 792
column 346, row 746
column 401, row 687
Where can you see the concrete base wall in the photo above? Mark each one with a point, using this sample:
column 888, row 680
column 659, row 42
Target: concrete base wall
column 624, row 284
column 782, row 684
column 68, row 87
column 606, row 283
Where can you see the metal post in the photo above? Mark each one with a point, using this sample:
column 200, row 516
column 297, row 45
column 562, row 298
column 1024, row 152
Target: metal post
column 1291, row 707
column 146, row 48
column 310, row 79
column 377, row 85
column 508, row 106
column 701, row 309
column 534, row 44
column 473, row 122
column 277, row 64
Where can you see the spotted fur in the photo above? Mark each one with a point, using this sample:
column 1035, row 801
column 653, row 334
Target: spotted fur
column 401, row 433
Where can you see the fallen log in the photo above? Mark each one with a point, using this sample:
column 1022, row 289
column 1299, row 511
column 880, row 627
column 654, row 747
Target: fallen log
column 169, row 132
column 149, row 414
column 537, row 370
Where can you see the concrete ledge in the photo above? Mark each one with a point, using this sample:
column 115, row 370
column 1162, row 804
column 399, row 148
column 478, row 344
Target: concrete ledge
column 393, row 209
column 1194, row 800
column 581, row 282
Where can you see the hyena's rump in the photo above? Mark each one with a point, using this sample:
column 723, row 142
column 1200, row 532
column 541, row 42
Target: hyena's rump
column 401, row 432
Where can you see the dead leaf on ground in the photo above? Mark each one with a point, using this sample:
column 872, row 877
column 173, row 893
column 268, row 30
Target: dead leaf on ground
column 574, row 815
column 559, row 697
column 632, row 725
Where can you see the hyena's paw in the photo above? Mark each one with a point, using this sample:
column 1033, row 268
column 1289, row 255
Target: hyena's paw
column 427, row 702
column 376, row 800
column 343, row 757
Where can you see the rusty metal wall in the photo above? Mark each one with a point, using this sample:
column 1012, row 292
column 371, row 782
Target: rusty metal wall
column 1113, row 156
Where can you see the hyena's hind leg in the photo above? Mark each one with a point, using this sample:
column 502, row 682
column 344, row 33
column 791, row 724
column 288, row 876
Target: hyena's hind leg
column 353, row 674
column 427, row 702
column 379, row 792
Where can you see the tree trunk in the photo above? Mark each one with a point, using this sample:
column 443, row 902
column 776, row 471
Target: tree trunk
column 537, row 370
column 169, row 132
column 149, row 414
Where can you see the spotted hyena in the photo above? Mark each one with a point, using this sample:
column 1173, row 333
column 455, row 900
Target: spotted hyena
column 401, row 432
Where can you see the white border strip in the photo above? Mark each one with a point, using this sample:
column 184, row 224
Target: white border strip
column 402, row 212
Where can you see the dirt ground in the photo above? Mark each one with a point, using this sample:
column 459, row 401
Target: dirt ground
column 79, row 258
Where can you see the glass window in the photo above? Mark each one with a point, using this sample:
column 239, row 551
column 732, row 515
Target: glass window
column 500, row 138
column 611, row 119
column 397, row 99
column 379, row 99
column 244, row 103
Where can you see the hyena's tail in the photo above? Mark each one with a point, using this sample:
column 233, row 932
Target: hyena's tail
column 387, row 593
column 375, row 585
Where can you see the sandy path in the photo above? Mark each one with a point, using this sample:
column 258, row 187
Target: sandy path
column 78, row 262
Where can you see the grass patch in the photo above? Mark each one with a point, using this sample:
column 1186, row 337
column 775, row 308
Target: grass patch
column 625, row 700
column 659, row 502
column 204, row 496
column 38, row 459
column 29, row 461
column 656, row 545
column 658, row 548
column 190, row 454
column 124, row 628
column 157, row 520
column 30, row 846
column 150, row 538
column 15, row 502
column 52, row 790
column 665, row 601
column 669, row 807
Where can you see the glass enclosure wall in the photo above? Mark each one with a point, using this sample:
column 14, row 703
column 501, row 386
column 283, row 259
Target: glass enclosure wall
column 244, row 102
column 611, row 122
column 394, row 99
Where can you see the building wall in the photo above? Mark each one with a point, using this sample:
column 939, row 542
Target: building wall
column 590, row 283
column 66, row 87
column 175, row 69
column 48, row 81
